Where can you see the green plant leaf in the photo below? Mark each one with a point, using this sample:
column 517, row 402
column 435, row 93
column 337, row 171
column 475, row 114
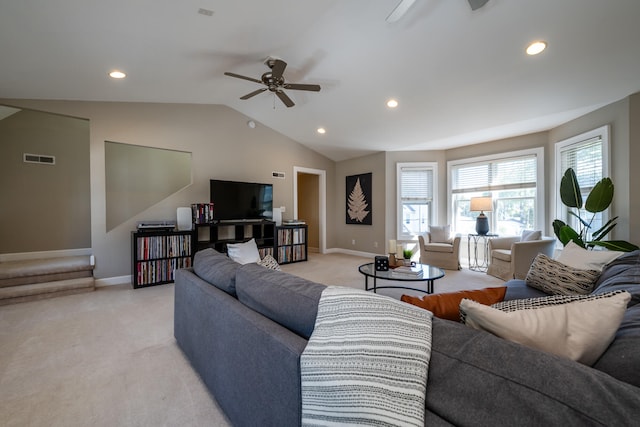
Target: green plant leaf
column 557, row 225
column 604, row 230
column 585, row 223
column 570, row 190
column 616, row 245
column 600, row 196
column 568, row 234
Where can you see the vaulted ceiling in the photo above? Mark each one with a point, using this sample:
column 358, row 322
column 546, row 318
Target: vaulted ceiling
column 460, row 76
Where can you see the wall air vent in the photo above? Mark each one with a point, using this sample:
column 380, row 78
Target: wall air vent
column 277, row 175
column 39, row 158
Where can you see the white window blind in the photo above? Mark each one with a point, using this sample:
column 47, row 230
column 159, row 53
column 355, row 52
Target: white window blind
column 585, row 158
column 416, row 184
column 498, row 174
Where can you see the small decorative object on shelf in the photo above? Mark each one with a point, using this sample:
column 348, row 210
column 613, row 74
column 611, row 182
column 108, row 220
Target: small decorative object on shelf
column 382, row 263
column 202, row 213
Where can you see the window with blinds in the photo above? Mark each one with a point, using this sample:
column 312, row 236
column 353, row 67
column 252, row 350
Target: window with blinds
column 513, row 181
column 416, row 198
column 587, row 154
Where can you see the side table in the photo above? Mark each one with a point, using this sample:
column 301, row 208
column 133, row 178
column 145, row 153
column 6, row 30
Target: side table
column 478, row 241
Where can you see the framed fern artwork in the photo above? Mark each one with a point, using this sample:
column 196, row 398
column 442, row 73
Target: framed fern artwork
column 358, row 208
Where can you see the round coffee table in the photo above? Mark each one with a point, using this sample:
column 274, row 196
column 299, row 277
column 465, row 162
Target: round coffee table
column 429, row 274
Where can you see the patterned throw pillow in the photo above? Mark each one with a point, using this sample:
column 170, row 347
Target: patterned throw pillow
column 269, row 262
column 579, row 327
column 555, row 278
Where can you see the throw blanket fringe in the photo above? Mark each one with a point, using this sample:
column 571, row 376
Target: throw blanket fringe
column 366, row 362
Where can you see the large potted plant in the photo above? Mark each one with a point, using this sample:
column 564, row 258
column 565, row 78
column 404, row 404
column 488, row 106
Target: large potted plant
column 599, row 200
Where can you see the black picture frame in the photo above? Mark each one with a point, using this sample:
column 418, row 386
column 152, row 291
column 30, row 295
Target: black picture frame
column 358, row 207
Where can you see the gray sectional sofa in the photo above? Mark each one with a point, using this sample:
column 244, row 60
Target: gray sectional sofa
column 243, row 328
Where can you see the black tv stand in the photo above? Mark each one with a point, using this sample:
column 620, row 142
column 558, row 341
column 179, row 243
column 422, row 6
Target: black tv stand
column 218, row 234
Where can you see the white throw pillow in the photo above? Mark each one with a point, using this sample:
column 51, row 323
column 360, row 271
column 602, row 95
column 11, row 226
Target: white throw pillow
column 575, row 256
column 244, row 253
column 577, row 327
column 530, row 235
column 440, row 233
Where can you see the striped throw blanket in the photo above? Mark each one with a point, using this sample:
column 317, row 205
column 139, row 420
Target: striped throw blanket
column 366, row 362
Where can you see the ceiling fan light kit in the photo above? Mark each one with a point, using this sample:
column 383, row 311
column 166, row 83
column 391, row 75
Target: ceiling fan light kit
column 274, row 82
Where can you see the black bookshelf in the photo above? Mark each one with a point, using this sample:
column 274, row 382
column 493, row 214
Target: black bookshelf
column 157, row 254
column 291, row 243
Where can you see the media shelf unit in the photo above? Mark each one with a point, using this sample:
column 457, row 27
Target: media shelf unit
column 291, row 243
column 157, row 254
column 221, row 233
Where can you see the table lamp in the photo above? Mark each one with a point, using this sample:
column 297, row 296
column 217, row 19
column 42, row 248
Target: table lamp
column 481, row 204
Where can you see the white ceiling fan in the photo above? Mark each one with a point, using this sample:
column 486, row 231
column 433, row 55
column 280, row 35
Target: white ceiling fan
column 404, row 5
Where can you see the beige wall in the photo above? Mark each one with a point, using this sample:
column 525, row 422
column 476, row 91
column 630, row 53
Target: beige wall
column 222, row 146
column 368, row 238
column 620, row 158
column 44, row 207
column 634, row 168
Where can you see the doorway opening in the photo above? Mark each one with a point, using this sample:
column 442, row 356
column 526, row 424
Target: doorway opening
column 309, row 204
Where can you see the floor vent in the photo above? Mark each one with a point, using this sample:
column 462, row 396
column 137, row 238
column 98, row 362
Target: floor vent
column 39, row 158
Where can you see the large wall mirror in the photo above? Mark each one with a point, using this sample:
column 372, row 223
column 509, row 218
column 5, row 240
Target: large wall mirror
column 138, row 177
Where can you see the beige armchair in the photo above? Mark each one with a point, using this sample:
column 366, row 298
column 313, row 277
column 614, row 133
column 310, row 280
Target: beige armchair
column 510, row 258
column 442, row 255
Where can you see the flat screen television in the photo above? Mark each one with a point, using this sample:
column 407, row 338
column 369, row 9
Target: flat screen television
column 234, row 201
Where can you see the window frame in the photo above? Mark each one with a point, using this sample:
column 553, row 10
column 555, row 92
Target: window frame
column 603, row 132
column 539, row 201
column 433, row 166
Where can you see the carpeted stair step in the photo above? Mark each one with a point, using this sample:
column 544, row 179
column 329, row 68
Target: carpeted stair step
column 36, row 291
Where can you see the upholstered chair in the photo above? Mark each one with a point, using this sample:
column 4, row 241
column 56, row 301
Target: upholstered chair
column 439, row 249
column 511, row 257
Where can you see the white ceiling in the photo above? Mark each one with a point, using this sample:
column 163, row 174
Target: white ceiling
column 461, row 77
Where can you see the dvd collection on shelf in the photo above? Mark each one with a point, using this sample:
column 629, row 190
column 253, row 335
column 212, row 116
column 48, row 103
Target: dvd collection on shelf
column 291, row 236
column 291, row 253
column 157, row 257
column 202, row 213
column 264, row 251
column 160, row 271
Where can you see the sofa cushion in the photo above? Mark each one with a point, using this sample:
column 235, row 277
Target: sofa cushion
column 578, row 327
column 440, row 233
column 578, row 257
column 622, row 358
column 501, row 254
column 530, row 235
column 439, row 247
column 476, row 378
column 217, row 269
column 284, row 298
column 518, row 289
column 556, row 278
column 623, row 273
column 446, row 306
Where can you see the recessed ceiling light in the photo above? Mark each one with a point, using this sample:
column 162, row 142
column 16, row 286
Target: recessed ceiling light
column 321, row 130
column 392, row 103
column 536, row 47
column 115, row 74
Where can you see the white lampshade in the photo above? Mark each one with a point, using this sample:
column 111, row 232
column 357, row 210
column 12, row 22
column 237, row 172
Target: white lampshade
column 481, row 204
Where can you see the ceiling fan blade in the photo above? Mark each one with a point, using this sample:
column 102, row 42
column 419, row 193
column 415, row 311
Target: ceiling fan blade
column 254, row 93
column 477, row 4
column 284, row 98
column 294, row 86
column 278, row 68
column 238, row 76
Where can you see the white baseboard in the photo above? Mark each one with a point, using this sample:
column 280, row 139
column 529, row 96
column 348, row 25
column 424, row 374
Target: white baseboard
column 351, row 252
column 44, row 254
column 112, row 281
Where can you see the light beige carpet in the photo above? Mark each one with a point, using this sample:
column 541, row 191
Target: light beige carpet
column 108, row 358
